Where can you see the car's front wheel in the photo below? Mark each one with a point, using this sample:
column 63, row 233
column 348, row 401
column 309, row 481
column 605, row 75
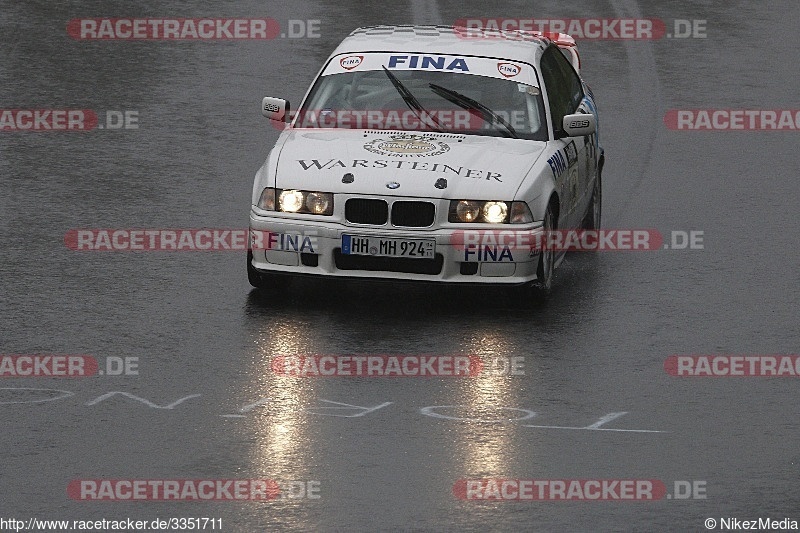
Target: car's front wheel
column 544, row 273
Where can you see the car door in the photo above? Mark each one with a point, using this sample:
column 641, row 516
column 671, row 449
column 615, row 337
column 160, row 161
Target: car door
column 566, row 96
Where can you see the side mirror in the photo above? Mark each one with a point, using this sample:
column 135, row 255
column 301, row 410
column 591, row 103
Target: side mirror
column 275, row 108
column 579, row 124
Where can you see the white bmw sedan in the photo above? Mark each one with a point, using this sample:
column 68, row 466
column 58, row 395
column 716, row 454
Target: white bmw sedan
column 430, row 153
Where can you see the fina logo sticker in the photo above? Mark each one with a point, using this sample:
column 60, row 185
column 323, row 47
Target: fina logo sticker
column 509, row 70
column 351, row 62
column 408, row 145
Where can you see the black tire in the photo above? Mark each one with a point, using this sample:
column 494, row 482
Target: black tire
column 592, row 219
column 547, row 258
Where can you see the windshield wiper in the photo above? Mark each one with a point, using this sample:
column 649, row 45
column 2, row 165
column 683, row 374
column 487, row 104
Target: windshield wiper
column 412, row 102
column 474, row 107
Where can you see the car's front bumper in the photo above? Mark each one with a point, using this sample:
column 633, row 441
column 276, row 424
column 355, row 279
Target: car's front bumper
column 309, row 247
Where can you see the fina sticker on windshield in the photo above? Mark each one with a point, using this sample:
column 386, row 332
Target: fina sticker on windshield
column 351, row 62
column 428, row 62
column 407, row 145
column 509, row 70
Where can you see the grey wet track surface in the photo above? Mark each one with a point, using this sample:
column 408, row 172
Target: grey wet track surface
column 597, row 346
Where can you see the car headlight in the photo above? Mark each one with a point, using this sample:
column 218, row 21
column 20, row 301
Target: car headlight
column 489, row 212
column 468, row 211
column 290, row 201
column 494, row 212
column 319, row 203
column 267, row 200
column 520, row 213
column 294, row 201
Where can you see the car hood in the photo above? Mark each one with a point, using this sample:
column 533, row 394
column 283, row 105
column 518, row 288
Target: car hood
column 404, row 164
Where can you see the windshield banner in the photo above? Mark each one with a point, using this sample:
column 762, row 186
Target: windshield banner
column 481, row 66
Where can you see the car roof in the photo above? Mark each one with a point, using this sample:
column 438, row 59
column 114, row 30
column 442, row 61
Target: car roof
column 446, row 40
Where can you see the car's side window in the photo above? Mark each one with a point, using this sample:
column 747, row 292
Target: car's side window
column 573, row 82
column 563, row 85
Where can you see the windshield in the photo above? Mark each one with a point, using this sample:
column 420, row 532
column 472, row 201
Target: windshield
column 425, row 100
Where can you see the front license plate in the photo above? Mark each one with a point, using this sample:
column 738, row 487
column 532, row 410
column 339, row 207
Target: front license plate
column 385, row 247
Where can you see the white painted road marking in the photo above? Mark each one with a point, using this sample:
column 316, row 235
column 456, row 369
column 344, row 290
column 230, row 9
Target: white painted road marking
column 248, row 408
column 603, row 420
column 148, row 403
column 336, row 408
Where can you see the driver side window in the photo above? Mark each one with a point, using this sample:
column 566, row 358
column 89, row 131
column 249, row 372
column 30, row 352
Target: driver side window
column 564, row 90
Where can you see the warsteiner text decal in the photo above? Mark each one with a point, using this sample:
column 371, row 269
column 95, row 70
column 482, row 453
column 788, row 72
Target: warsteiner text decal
column 441, row 168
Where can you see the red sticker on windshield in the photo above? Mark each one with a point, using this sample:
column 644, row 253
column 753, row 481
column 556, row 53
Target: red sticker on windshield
column 351, row 62
column 509, row 70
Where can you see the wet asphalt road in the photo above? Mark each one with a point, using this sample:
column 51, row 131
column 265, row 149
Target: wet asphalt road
column 204, row 341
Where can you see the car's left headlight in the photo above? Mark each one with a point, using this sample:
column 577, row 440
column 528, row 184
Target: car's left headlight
column 294, row 201
column 489, row 212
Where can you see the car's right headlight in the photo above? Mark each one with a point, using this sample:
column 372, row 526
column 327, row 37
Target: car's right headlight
column 295, row 201
column 491, row 212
